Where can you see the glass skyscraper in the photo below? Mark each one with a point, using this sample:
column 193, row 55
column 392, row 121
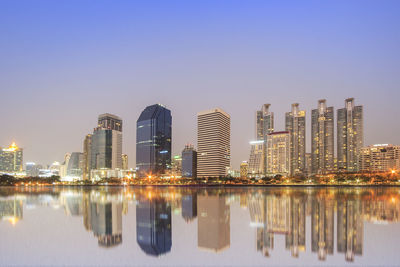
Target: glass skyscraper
column 153, row 141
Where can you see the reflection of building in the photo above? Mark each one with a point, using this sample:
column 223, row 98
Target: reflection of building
column 257, row 159
column 380, row 158
column 295, row 122
column 153, row 141
column 322, row 223
column 244, row 169
column 153, row 226
column 11, row 209
column 11, row 159
column 350, row 228
column 213, row 232
column 189, row 162
column 189, row 207
column 213, row 141
column 296, row 239
column 278, row 153
column 322, row 138
column 350, row 135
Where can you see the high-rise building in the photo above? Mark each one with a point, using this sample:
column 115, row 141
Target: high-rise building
column 264, row 126
column 32, row 169
column 75, row 165
column 64, row 166
column 257, row 159
column 244, row 169
column 11, row 159
column 379, row 158
column 350, row 136
column 189, row 162
column 295, row 123
column 322, row 139
column 153, row 141
column 176, row 166
column 124, row 161
column 87, row 147
column 278, row 153
column 213, row 142
column 106, row 151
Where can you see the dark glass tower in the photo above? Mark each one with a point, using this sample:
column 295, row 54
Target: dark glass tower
column 153, row 141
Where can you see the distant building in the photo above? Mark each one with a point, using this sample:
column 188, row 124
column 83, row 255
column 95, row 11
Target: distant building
column 11, row 159
column 379, row 158
column 189, row 162
column 87, row 148
column 278, row 153
column 64, row 165
column 244, row 169
column 322, row 136
column 153, row 141
column 32, row 169
column 308, row 170
column 176, row 166
column 213, row 141
column 350, row 136
column 264, row 126
column 257, row 159
column 75, row 166
column 295, row 122
column 125, row 161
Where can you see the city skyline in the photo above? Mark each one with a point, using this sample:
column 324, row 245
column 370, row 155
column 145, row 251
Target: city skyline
column 234, row 57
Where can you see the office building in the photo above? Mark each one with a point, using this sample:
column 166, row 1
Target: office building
column 350, row 136
column 11, row 159
column 75, row 166
column 189, row 162
column 322, row 139
column 153, row 141
column 379, row 158
column 125, row 161
column 87, row 147
column 257, row 159
column 264, row 126
column 244, row 169
column 213, row 142
column 295, row 123
column 278, row 153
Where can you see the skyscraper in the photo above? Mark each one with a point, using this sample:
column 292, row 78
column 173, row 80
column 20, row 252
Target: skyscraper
column 189, row 162
column 244, row 169
column 153, row 141
column 278, row 153
column 295, row 122
column 75, row 165
column 257, row 159
column 322, row 139
column 124, row 161
column 350, row 135
column 11, row 159
column 106, row 150
column 264, row 126
column 87, row 147
column 213, row 142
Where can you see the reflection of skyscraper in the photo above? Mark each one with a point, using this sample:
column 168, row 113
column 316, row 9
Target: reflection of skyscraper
column 11, row 209
column 189, row 207
column 296, row 239
column 106, row 222
column 350, row 228
column 153, row 226
column 213, row 232
column 322, row 232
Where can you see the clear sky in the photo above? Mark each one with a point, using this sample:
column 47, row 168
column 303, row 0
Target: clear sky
column 62, row 63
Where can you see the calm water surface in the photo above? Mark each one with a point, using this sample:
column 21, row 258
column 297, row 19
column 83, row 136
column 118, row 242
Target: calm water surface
column 198, row 227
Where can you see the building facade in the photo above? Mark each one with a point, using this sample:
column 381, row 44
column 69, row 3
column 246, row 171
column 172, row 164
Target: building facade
column 87, row 147
column 189, row 162
column 322, row 139
column 350, row 136
column 278, row 153
column 295, row 124
column 244, row 169
column 257, row 159
column 124, row 161
column 75, row 165
column 379, row 158
column 153, row 141
column 11, row 159
column 264, row 126
column 213, row 141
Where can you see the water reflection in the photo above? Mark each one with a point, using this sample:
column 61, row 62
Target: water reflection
column 335, row 216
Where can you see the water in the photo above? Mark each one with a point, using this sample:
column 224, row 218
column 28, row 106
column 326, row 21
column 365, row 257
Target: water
column 198, row 226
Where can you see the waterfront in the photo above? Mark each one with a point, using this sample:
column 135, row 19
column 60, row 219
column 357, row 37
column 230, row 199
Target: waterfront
column 199, row 226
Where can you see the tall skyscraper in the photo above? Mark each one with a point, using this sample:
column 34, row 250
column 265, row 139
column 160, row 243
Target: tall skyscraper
column 153, row 141
column 257, row 159
column 278, row 153
column 189, row 162
column 75, row 165
column 124, row 161
column 106, row 151
column 264, row 126
column 213, row 142
column 11, row 159
column 350, row 135
column 295, row 123
column 87, row 147
column 322, row 139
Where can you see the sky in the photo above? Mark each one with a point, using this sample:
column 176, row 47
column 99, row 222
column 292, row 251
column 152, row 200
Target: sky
column 62, row 63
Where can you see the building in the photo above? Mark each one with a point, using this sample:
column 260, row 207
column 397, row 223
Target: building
column 125, row 162
column 176, row 166
column 322, row 139
column 64, row 166
column 264, row 126
column 11, row 159
column 295, row 123
column 153, row 141
column 379, row 158
column 106, row 150
column 189, row 162
column 257, row 159
column 87, row 147
column 308, row 170
column 75, row 166
column 32, row 169
column 244, row 169
column 213, row 142
column 278, row 153
column 350, row 135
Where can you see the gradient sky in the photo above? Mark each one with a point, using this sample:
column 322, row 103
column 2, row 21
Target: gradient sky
column 62, row 63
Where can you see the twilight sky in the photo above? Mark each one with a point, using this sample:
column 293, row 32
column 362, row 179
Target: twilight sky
column 62, row 63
